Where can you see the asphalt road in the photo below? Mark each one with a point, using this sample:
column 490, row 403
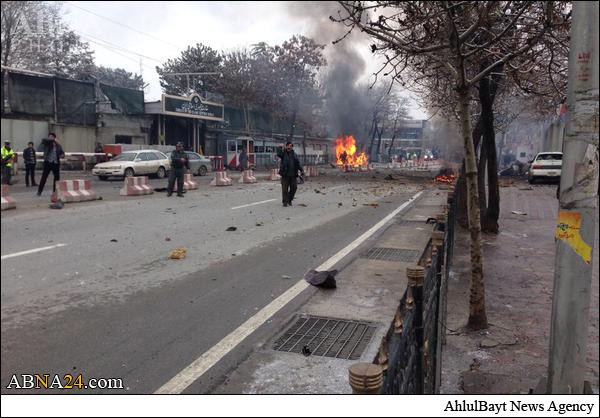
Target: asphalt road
column 109, row 303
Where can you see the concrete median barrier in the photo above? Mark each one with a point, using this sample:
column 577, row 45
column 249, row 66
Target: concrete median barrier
column 136, row 186
column 221, row 179
column 247, row 177
column 74, row 191
column 7, row 201
column 189, row 183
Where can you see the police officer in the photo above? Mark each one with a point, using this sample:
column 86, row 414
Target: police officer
column 8, row 154
column 179, row 161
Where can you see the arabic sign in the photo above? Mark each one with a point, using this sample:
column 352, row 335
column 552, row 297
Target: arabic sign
column 192, row 107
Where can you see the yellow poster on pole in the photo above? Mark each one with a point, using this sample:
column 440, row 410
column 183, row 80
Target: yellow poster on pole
column 568, row 228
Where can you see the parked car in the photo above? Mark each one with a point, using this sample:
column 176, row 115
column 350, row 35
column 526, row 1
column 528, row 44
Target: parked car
column 199, row 164
column 547, row 165
column 133, row 163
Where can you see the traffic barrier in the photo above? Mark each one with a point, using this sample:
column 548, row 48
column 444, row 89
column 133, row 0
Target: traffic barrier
column 221, row 179
column 74, row 191
column 7, row 201
column 136, row 186
column 311, row 171
column 274, row 176
column 247, row 177
column 189, row 183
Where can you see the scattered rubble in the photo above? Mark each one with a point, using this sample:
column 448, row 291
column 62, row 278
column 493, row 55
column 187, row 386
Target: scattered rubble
column 178, row 254
column 231, row 228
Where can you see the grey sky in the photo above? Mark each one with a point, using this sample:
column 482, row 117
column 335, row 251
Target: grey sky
column 170, row 27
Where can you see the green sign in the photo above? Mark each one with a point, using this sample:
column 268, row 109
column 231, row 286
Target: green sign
column 192, row 107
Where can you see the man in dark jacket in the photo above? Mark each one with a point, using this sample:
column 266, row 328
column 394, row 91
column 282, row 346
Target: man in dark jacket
column 53, row 152
column 288, row 170
column 30, row 160
column 179, row 161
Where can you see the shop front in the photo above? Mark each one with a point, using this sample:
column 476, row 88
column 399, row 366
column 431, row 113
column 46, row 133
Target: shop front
column 182, row 119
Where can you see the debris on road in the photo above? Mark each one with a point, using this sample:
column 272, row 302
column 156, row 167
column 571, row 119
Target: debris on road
column 285, row 277
column 306, row 351
column 389, row 177
column 325, row 279
column 113, row 240
column 372, row 204
column 518, row 212
column 178, row 254
column 58, row 205
column 231, row 228
column 302, row 204
column 167, row 239
column 340, row 204
column 259, row 224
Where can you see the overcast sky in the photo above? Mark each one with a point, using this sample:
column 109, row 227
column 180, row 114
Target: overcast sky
column 140, row 35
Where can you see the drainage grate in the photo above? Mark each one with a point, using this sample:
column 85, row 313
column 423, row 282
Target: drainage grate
column 393, row 254
column 410, row 222
column 327, row 337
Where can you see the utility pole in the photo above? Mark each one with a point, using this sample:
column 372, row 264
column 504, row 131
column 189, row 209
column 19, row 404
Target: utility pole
column 577, row 218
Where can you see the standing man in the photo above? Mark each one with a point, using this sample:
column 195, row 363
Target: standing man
column 288, row 170
column 53, row 152
column 8, row 154
column 243, row 160
column 179, row 161
column 30, row 160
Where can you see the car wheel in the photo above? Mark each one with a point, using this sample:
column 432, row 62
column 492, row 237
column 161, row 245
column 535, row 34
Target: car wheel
column 103, row 178
column 129, row 172
column 161, row 173
column 531, row 180
column 202, row 170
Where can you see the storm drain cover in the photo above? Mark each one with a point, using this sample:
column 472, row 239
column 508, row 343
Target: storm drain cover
column 410, row 222
column 326, row 337
column 393, row 254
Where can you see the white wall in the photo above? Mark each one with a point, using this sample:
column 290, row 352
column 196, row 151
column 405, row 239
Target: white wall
column 20, row 132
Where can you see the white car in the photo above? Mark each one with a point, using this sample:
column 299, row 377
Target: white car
column 133, row 163
column 547, row 165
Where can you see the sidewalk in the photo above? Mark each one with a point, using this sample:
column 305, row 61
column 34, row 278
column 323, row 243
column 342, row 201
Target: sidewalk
column 511, row 356
column 368, row 291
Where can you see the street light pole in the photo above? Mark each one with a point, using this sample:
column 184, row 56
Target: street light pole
column 577, row 216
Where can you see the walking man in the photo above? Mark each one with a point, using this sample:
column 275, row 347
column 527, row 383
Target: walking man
column 288, row 170
column 30, row 160
column 53, row 152
column 179, row 161
column 8, row 154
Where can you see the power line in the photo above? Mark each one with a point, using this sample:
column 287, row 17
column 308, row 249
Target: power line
column 122, row 24
column 115, row 51
column 120, row 48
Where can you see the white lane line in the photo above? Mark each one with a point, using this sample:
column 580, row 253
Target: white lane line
column 35, row 250
column 253, row 204
column 211, row 357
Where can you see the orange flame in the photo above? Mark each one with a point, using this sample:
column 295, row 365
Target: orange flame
column 345, row 152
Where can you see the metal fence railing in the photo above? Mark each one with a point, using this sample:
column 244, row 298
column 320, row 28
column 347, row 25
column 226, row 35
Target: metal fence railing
column 411, row 350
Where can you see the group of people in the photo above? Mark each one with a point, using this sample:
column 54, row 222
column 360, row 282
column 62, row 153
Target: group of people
column 289, row 168
column 53, row 152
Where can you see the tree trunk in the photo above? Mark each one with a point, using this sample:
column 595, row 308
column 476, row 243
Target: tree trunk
column 477, row 314
column 375, row 129
column 489, row 215
column 462, row 218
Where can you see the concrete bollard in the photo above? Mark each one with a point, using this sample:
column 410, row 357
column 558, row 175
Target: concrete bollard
column 365, row 378
column 437, row 239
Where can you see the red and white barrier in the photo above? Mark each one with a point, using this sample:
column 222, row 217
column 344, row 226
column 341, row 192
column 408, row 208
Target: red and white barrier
column 136, row 186
column 247, row 177
column 7, row 201
column 74, row 191
column 221, row 179
column 189, row 183
column 274, row 176
column 311, row 171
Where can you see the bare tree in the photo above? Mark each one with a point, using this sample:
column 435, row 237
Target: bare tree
column 458, row 43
